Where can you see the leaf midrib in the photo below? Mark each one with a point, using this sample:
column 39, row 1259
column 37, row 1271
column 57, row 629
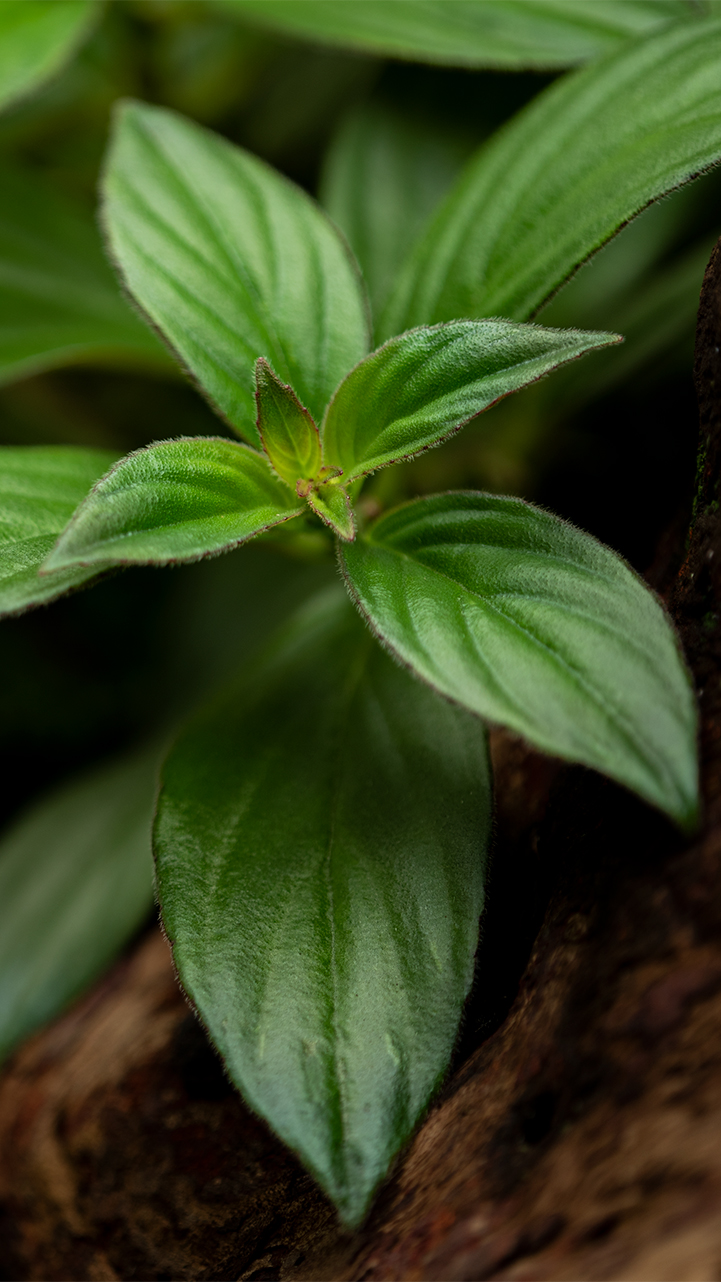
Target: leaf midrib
column 153, row 530
column 205, row 216
column 349, row 694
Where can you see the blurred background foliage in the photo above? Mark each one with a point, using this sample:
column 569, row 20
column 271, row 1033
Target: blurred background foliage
column 608, row 443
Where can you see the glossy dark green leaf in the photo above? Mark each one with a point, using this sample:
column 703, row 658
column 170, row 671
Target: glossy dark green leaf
column 535, row 625
column 552, row 186
column 287, row 432
column 230, row 261
column 59, row 301
column 36, row 39
column 175, row 501
column 468, row 33
column 421, row 387
column 332, row 504
column 40, row 488
column 321, row 845
column 383, row 176
column 76, row 880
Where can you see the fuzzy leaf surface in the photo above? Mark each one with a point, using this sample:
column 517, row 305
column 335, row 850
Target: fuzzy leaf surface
column 562, row 177
column 37, row 39
column 231, row 261
column 535, row 625
column 76, row 880
column 321, row 845
column 175, row 501
column 468, row 33
column 40, row 488
column 332, row 504
column 59, row 301
column 419, row 388
column 289, row 435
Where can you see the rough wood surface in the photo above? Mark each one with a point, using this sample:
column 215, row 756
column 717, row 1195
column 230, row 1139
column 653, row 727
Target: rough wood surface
column 580, row 1140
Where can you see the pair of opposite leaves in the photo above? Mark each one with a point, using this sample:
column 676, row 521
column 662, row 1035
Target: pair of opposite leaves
column 296, row 297
column 505, row 609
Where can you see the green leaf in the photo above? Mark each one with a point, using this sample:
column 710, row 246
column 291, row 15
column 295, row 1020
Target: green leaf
column 230, row 261
column 421, row 387
column 76, row 881
column 553, row 185
column 642, row 287
column 59, row 301
column 40, row 488
column 658, row 320
column 287, row 432
column 321, row 845
column 383, row 176
column 37, row 39
column 467, row 33
column 332, row 504
column 535, row 625
column 174, row 501
column 619, row 268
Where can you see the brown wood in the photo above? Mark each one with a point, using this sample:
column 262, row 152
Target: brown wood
column 581, row 1140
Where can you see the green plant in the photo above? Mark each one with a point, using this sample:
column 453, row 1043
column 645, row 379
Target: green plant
column 322, row 829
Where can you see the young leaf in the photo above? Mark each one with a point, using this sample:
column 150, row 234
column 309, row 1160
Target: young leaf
column 383, row 176
column 321, row 845
column 40, row 488
column 36, row 39
column 332, row 505
column 230, row 261
column 557, row 182
column 468, row 33
column 59, row 301
column 533, row 624
column 287, row 431
column 76, row 880
column 174, row 501
column 421, row 387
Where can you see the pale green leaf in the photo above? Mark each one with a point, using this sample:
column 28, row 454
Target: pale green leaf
column 76, row 881
column 174, row 501
column 231, row 261
column 287, row 432
column 534, row 625
column 467, row 33
column 40, row 488
column 421, row 387
column 36, row 38
column 561, row 178
column 332, row 504
column 59, row 301
column 321, row 846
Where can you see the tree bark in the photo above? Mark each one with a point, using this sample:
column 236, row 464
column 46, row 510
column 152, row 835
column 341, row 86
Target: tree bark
column 580, row 1139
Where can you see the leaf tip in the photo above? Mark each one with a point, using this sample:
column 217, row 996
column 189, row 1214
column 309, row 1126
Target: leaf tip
column 609, row 339
column 688, row 815
column 55, row 561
